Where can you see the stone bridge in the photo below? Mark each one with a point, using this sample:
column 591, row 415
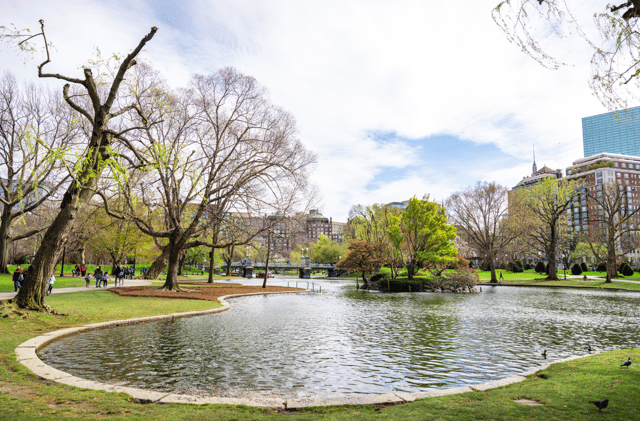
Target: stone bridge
column 246, row 268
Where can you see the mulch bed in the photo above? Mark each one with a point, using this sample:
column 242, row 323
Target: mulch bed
column 197, row 291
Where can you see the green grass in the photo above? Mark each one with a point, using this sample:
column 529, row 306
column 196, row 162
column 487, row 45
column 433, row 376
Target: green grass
column 565, row 389
column 578, row 283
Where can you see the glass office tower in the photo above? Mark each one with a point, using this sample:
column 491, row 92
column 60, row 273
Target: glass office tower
column 615, row 132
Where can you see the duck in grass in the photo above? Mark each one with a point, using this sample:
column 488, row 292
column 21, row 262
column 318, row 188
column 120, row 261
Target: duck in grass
column 626, row 363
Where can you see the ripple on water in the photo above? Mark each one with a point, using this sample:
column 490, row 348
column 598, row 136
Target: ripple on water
column 346, row 342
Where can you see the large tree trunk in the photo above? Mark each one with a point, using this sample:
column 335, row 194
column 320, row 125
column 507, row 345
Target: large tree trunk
column 5, row 226
column 36, row 278
column 492, row 268
column 158, row 265
column 175, row 250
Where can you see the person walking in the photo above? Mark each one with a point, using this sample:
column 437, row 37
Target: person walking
column 115, row 271
column 132, row 272
column 83, row 269
column 17, row 278
column 501, row 275
column 98, row 275
column 51, row 281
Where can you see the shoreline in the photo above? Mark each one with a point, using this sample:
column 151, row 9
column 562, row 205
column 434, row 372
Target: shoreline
column 26, row 354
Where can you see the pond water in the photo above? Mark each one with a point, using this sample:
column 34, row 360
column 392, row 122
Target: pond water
column 346, row 342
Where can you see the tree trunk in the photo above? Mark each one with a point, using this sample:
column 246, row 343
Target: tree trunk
column 175, row 250
column 158, row 265
column 492, row 268
column 36, row 278
column 5, row 226
column 181, row 261
column 553, row 270
column 213, row 258
column 410, row 271
column 266, row 265
column 612, row 269
column 228, row 259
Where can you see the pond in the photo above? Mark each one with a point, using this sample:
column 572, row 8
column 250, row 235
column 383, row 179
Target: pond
column 343, row 342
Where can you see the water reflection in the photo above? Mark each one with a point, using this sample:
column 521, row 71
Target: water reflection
column 345, row 342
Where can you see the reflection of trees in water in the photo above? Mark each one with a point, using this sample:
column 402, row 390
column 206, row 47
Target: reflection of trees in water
column 344, row 340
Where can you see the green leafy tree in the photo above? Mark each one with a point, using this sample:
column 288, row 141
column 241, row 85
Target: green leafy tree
column 326, row 251
column 427, row 238
column 372, row 224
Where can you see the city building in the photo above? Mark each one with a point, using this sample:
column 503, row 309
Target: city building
column 596, row 171
column 616, row 132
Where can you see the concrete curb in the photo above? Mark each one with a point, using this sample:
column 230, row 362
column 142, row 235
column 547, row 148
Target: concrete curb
column 26, row 354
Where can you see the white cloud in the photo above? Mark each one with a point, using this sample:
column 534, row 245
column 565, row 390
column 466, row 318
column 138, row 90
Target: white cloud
column 346, row 69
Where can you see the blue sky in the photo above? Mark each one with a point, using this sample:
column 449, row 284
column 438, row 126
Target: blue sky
column 397, row 98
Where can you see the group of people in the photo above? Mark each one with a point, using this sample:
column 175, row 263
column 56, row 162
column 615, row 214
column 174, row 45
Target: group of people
column 79, row 270
column 119, row 274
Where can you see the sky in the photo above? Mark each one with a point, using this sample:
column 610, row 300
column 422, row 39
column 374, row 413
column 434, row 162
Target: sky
column 397, row 98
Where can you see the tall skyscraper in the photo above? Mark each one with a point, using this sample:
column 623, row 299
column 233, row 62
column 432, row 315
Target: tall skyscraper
column 615, row 132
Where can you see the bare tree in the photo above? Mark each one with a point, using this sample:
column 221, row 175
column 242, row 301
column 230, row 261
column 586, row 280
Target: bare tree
column 479, row 213
column 101, row 105
column 612, row 223
column 218, row 144
column 36, row 130
column 543, row 206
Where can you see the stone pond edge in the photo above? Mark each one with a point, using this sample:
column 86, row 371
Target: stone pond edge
column 26, row 354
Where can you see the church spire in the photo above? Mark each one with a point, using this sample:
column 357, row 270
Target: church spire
column 535, row 167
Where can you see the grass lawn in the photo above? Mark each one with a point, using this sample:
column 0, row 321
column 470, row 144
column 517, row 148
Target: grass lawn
column 593, row 283
column 565, row 389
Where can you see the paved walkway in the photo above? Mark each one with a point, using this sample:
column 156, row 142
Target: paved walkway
column 127, row 283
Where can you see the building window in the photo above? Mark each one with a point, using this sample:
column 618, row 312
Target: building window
column 616, row 164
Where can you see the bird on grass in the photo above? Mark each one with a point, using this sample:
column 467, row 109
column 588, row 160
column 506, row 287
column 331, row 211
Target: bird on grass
column 545, row 353
column 592, row 348
column 601, row 404
column 626, row 363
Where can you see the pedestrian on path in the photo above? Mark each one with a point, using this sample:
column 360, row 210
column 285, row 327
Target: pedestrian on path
column 98, row 275
column 501, row 275
column 17, row 278
column 51, row 281
column 83, row 269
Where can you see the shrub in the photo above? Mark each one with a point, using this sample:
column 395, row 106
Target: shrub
column 460, row 278
column 540, row 267
column 379, row 277
column 584, row 267
column 21, row 260
column 576, row 269
column 602, row 267
column 527, row 266
column 626, row 270
column 515, row 266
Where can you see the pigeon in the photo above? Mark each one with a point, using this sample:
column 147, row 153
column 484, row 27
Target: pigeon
column 545, row 353
column 626, row 363
column 592, row 348
column 601, row 404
